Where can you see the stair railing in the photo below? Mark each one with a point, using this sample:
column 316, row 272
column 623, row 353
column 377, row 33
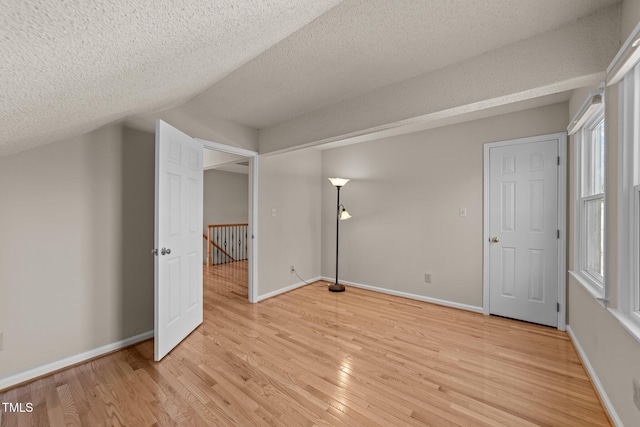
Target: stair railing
column 226, row 243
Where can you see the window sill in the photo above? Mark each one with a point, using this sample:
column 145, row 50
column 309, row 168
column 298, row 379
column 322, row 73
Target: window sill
column 597, row 294
column 627, row 323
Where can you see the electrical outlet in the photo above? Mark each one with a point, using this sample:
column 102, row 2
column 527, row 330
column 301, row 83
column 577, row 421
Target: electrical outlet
column 427, row 277
column 636, row 393
column 292, row 269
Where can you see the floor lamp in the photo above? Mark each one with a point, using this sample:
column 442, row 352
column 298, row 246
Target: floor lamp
column 341, row 215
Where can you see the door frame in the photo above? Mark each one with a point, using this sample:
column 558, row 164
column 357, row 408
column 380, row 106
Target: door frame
column 253, row 209
column 561, row 139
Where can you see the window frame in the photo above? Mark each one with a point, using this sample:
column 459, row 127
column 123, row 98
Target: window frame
column 597, row 286
column 628, row 312
column 635, row 285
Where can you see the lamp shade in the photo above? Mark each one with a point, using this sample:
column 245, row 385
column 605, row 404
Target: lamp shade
column 344, row 215
column 339, row 182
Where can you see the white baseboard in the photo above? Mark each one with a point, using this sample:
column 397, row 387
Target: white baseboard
column 287, row 289
column 49, row 368
column 594, row 378
column 408, row 295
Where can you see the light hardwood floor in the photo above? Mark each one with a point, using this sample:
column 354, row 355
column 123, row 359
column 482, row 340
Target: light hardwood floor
column 311, row 357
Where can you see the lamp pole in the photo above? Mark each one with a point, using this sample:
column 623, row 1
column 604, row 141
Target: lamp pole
column 340, row 214
column 337, row 287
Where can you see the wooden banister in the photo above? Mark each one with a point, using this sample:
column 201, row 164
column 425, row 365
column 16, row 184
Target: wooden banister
column 210, row 242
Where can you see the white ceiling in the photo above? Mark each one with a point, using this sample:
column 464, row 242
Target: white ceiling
column 363, row 45
column 71, row 66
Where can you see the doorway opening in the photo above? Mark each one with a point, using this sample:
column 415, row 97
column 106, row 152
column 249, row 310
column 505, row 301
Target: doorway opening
column 226, row 236
column 230, row 219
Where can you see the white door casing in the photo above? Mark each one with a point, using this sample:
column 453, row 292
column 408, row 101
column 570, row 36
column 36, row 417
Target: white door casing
column 253, row 209
column 524, row 252
column 178, row 237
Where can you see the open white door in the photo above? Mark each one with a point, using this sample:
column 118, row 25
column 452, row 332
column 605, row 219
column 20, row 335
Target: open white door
column 178, row 237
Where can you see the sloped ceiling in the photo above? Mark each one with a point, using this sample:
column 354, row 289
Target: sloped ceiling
column 71, row 66
column 363, row 45
column 571, row 56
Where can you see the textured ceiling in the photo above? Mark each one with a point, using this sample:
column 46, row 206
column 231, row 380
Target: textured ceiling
column 69, row 66
column 363, row 45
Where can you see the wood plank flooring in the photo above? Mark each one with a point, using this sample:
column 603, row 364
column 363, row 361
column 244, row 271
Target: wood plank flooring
column 311, row 357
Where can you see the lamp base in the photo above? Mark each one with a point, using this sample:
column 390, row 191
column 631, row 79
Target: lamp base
column 336, row 287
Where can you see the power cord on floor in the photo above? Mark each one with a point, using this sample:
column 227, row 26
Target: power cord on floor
column 296, row 273
column 307, row 283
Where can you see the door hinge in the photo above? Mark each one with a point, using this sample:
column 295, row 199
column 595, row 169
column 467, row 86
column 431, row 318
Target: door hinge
column 558, row 160
column 558, row 234
column 558, row 307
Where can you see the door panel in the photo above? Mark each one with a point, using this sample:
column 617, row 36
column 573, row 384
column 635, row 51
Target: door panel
column 523, row 219
column 178, row 275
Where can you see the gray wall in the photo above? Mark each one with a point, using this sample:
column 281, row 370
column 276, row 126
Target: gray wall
column 226, row 200
column 613, row 352
column 76, row 232
column 404, row 197
column 197, row 123
column 289, row 183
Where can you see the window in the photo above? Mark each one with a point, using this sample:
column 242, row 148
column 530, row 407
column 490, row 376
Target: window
column 629, row 190
column 635, row 291
column 625, row 72
column 590, row 201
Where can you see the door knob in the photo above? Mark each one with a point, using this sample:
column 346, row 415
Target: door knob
column 165, row 251
column 495, row 240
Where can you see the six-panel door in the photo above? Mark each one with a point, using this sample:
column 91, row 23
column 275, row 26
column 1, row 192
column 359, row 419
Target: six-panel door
column 523, row 229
